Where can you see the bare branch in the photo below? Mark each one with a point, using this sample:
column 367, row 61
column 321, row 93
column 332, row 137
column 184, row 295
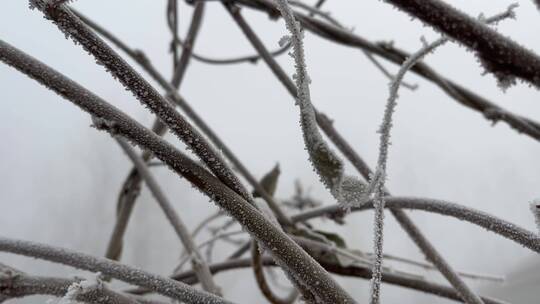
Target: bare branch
column 16, row 284
column 258, row 271
column 489, row 222
column 197, row 262
column 358, row 271
column 67, row 21
column 161, row 285
column 378, row 179
column 193, row 31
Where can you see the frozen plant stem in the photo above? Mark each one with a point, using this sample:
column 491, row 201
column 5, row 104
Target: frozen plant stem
column 326, row 163
column 193, row 31
column 508, row 230
column 378, row 180
column 287, row 253
column 161, row 285
column 356, row 271
column 194, row 116
column 74, row 28
column 16, row 284
column 197, row 262
column 377, row 183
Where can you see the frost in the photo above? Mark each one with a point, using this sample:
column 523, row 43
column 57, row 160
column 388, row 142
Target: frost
column 376, row 186
column 284, row 40
column 78, row 288
column 326, row 163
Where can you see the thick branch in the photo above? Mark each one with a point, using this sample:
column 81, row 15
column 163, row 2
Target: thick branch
column 288, row 254
column 142, row 90
column 196, row 118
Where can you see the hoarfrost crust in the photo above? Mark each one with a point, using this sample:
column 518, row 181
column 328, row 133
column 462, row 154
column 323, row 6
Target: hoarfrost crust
column 324, row 160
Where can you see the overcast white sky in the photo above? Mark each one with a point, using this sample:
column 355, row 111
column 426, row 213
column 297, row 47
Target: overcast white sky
column 59, row 179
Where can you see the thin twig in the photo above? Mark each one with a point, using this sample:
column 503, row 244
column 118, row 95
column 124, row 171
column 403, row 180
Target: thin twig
column 172, row 22
column 357, row 271
column 258, row 271
column 197, row 262
column 193, row 31
column 513, row 232
column 429, row 266
column 377, row 182
column 16, row 284
column 161, row 285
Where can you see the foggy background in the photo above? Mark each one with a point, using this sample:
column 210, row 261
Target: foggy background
column 59, row 178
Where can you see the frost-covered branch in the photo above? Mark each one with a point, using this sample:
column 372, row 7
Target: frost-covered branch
column 16, row 284
column 287, row 253
column 194, row 116
column 500, row 55
column 377, row 182
column 197, row 262
column 161, row 285
column 142, row 90
column 489, row 222
column 325, row 162
column 358, row 271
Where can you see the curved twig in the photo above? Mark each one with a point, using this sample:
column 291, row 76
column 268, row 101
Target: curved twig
column 258, row 271
column 491, row 223
column 161, row 285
